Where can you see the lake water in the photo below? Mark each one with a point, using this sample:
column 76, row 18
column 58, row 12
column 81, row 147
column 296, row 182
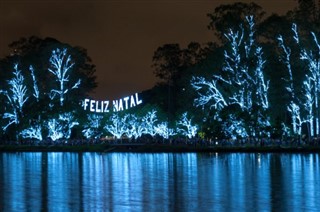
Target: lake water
column 159, row 182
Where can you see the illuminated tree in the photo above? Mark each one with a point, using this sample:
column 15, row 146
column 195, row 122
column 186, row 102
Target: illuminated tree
column 36, row 92
column 242, row 81
column 16, row 96
column 186, row 127
column 18, row 89
column 148, row 122
column 303, row 107
column 68, row 121
column 38, row 52
column 308, row 104
column 234, row 127
column 117, row 127
column 61, row 127
column 29, row 93
column 133, row 126
column 91, row 127
column 61, row 65
column 163, row 130
column 312, row 83
column 33, row 132
column 55, row 129
column 12, row 116
column 293, row 107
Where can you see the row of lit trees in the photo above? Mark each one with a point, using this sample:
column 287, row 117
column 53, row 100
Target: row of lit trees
column 116, row 126
column 251, row 82
column 63, row 120
column 242, row 84
column 18, row 94
column 41, row 82
column 303, row 109
column 237, row 87
column 134, row 127
column 240, row 88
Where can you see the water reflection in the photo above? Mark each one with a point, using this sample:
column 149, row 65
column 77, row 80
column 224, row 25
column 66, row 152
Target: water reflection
column 159, row 182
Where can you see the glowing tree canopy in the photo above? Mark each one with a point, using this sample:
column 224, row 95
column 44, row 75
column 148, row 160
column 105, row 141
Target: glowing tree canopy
column 186, row 127
column 133, row 126
column 36, row 93
column 68, row 121
column 148, row 121
column 55, row 129
column 16, row 96
column 234, row 128
column 303, row 108
column 33, row 132
column 117, row 127
column 18, row 89
column 246, row 81
column 59, row 128
column 61, row 65
column 164, row 131
column 91, row 127
column 242, row 82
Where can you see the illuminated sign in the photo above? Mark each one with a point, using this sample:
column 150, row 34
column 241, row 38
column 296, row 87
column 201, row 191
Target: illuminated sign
column 116, row 105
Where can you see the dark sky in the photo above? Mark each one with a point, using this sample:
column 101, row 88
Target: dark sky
column 120, row 36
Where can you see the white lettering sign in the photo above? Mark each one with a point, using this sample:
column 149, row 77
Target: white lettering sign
column 117, row 105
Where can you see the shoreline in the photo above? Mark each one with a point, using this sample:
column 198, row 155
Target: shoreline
column 158, row 148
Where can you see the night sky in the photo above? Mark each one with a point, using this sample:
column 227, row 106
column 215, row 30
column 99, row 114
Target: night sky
column 120, row 36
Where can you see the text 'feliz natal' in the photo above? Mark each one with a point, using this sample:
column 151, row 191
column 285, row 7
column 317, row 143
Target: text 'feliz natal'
column 116, row 105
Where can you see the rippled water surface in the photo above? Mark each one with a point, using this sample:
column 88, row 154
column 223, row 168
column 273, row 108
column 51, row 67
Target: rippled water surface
column 159, row 182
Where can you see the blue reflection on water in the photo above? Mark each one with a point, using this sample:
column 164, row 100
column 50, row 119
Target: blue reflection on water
column 159, row 182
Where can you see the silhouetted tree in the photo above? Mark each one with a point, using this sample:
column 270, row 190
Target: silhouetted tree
column 231, row 16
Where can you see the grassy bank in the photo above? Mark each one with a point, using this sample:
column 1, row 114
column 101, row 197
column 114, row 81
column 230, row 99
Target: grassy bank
column 154, row 148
